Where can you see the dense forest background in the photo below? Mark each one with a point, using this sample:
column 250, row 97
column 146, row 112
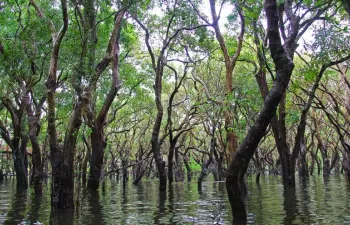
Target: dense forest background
column 91, row 89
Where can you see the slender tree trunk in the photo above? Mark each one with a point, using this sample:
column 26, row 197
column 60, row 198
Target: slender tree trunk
column 303, row 172
column 188, row 168
column 85, row 161
column 258, row 166
column 171, row 162
column 156, row 129
column 206, row 165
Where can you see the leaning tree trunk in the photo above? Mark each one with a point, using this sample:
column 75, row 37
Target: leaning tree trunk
column 235, row 175
column 277, row 124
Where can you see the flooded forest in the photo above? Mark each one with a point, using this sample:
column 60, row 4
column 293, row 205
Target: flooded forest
column 174, row 112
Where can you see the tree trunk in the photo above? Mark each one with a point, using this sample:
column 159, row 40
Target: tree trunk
column 179, row 170
column 96, row 161
column 206, row 165
column 188, row 168
column 125, row 164
column 37, row 164
column 20, row 165
column 155, row 133
column 85, row 163
column 235, row 184
column 98, row 142
column 34, row 128
column 1, row 175
column 258, row 166
column 312, row 165
column 171, row 162
column 346, row 165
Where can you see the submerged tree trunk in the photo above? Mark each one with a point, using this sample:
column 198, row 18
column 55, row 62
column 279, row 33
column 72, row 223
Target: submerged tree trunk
column 235, row 175
column 303, row 172
column 34, row 128
column 96, row 159
column 188, row 168
column 98, row 142
column 171, row 162
column 85, row 160
column 20, row 168
column 230, row 64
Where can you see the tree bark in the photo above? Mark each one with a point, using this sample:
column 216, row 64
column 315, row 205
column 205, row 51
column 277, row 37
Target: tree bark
column 284, row 66
column 34, row 128
column 230, row 63
column 188, row 168
column 206, row 165
column 98, row 142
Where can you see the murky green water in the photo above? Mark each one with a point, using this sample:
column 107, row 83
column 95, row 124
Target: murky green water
column 313, row 202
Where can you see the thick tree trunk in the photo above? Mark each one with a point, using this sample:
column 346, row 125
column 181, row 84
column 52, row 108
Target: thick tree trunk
column 235, row 184
column 20, row 169
column 287, row 163
column 37, row 165
column 34, row 128
column 96, row 162
column 98, row 142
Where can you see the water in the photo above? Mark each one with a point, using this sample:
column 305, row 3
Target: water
column 312, row 202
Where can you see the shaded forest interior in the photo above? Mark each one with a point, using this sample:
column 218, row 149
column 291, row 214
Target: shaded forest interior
column 173, row 90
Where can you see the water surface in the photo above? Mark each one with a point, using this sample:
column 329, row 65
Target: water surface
column 312, row 202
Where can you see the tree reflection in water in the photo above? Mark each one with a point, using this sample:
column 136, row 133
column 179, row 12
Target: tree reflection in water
column 313, row 201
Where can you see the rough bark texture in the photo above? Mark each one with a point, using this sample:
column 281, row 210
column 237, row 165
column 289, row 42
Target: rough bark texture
column 19, row 140
column 98, row 142
column 34, row 128
column 235, row 175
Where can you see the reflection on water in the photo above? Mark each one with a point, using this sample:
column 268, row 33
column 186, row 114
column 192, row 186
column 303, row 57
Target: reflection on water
column 312, row 202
